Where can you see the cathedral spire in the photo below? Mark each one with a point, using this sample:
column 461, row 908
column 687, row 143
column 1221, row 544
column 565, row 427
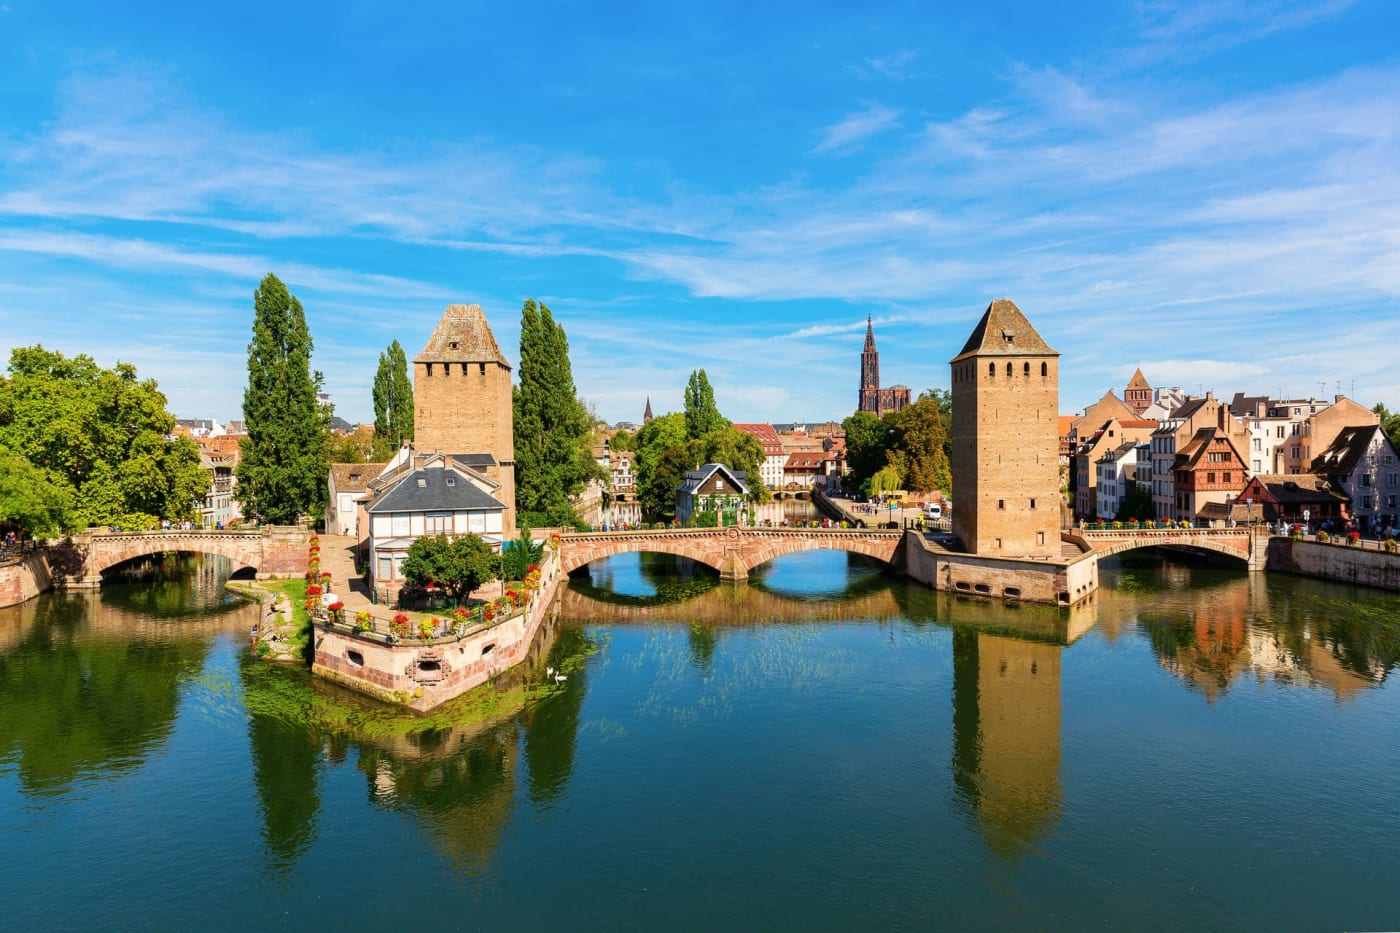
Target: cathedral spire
column 646, row 415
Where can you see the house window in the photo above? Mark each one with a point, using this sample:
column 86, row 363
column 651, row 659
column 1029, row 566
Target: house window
column 1297, row 452
column 1226, row 480
column 1390, row 501
column 1366, row 502
column 437, row 523
column 998, row 540
column 1040, row 537
column 1367, row 479
column 386, row 567
column 399, row 524
column 719, row 485
column 1210, row 477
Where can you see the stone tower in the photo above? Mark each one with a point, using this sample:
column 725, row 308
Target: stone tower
column 461, row 399
column 869, row 371
column 1006, row 473
column 1138, row 394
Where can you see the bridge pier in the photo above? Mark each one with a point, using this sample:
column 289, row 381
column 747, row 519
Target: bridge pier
column 732, row 569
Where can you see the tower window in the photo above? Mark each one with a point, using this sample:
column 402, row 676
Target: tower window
column 1008, row 370
column 428, row 369
column 481, row 368
column 1044, row 370
column 991, row 369
column 1026, row 370
column 1032, row 503
column 1001, row 503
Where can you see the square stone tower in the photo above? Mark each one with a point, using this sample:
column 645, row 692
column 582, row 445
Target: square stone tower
column 1006, row 473
column 462, row 400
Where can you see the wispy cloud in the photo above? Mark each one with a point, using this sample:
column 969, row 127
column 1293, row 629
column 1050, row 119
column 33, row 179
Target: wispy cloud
column 856, row 128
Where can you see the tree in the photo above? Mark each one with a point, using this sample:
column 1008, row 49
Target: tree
column 103, row 437
column 868, row 441
column 283, row 471
column 355, row 447
column 622, row 440
column 29, row 499
column 458, row 565
column 1390, row 423
column 656, row 490
column 393, row 398
column 701, row 413
column 553, row 427
column 921, row 436
column 518, row 555
column 1136, row 504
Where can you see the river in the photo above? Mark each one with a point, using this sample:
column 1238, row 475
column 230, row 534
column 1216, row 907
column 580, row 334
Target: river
column 826, row 748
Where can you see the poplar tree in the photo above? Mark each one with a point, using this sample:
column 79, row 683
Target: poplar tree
column 283, row 471
column 552, row 426
column 393, row 398
column 701, row 413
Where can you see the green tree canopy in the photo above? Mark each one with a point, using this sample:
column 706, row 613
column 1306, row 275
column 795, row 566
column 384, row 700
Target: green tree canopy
column 283, row 471
column 914, row 442
column 459, row 565
column 553, row 427
column 393, row 399
column 664, row 456
column 622, row 440
column 922, row 437
column 1390, row 423
column 101, row 438
column 701, row 413
column 29, row 499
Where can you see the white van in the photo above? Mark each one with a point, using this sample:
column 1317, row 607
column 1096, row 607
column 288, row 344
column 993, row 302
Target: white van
column 932, row 510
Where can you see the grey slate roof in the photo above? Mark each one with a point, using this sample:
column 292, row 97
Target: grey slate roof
column 695, row 479
column 1004, row 331
column 427, row 490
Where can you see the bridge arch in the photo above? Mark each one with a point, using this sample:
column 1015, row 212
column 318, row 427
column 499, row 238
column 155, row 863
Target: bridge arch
column 108, row 551
column 1194, row 546
column 730, row 551
column 581, row 555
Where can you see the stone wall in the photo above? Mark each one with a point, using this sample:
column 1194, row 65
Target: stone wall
column 24, row 579
column 972, row 574
column 423, row 676
column 1335, row 562
column 283, row 551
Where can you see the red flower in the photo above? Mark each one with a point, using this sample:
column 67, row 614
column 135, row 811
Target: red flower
column 313, row 590
column 336, row 606
column 401, row 619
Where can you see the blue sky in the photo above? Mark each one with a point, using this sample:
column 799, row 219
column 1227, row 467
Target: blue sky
column 1210, row 191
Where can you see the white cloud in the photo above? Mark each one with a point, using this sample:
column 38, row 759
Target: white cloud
column 856, row 128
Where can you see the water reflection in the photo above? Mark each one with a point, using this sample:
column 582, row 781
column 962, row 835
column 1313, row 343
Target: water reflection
column 89, row 686
column 453, row 771
column 1211, row 628
column 1006, row 736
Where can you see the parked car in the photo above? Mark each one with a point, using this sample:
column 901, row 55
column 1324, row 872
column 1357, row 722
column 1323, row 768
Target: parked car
column 933, row 510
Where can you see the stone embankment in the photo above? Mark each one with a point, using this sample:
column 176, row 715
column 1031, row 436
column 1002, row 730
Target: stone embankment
column 422, row 673
column 24, row 578
column 1335, row 561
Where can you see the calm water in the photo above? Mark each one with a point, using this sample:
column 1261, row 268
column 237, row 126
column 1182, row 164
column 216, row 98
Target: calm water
column 826, row 748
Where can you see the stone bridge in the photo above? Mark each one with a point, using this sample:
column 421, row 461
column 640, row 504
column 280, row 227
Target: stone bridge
column 272, row 551
column 1250, row 548
column 732, row 551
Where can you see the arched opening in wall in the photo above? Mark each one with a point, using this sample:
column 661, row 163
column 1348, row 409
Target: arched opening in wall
column 1044, row 370
column 1008, row 370
column 172, row 583
column 1026, row 370
column 429, row 667
column 991, row 369
column 244, row 573
column 642, row 578
column 1012, row 592
column 355, row 658
column 487, row 649
column 821, row 573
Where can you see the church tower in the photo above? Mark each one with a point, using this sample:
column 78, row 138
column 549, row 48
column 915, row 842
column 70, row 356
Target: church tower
column 1006, row 472
column 462, row 402
column 1138, row 394
column 869, row 372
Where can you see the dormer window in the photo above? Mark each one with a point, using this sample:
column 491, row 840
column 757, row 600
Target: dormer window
column 422, row 483
column 452, row 345
column 452, row 481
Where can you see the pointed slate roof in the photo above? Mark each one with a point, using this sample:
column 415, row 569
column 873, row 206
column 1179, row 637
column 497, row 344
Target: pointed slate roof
column 646, row 415
column 462, row 336
column 1139, row 381
column 1004, row 331
column 869, row 334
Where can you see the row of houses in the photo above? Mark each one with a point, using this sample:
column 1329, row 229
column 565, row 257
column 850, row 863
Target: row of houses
column 1253, row 458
